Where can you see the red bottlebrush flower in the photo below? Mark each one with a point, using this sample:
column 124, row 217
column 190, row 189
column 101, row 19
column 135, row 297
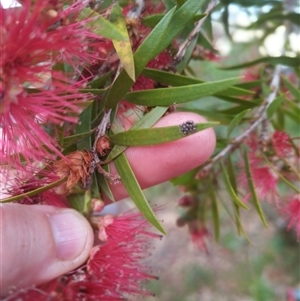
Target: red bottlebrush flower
column 114, row 271
column 291, row 211
column 37, row 180
column 199, row 234
column 264, row 178
column 117, row 263
column 32, row 95
column 282, row 145
column 265, row 181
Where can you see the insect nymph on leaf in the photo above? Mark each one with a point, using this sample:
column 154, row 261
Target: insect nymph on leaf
column 187, row 127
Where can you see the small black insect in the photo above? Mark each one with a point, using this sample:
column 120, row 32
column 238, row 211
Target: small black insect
column 187, row 127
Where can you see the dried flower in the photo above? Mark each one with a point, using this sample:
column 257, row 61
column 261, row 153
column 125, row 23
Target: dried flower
column 103, row 145
column 75, row 167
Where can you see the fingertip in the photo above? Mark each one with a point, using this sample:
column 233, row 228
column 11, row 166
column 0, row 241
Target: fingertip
column 40, row 243
column 158, row 163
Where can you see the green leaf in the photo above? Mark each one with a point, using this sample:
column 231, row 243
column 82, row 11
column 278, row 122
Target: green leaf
column 83, row 127
column 215, row 212
column 170, row 96
column 101, row 26
column 103, row 184
column 278, row 17
column 100, row 81
column 152, row 20
column 147, row 121
column 134, row 190
column 294, row 91
column 152, row 136
column 235, row 121
column 176, row 80
column 274, row 105
column 93, row 91
column 252, row 189
column 123, row 48
column 213, row 115
column 33, row 192
column 159, row 38
column 71, row 140
column 236, row 208
column 123, row 82
column 81, row 201
column 281, row 60
column 230, row 189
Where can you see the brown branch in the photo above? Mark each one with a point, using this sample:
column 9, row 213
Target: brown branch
column 261, row 117
column 193, row 35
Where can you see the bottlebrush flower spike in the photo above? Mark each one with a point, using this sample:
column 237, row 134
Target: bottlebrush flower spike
column 281, row 142
column 117, row 263
column 291, row 211
column 114, row 271
column 199, row 234
column 32, row 95
column 37, row 180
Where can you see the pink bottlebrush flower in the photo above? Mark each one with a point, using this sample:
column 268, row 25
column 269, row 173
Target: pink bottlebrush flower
column 32, row 94
column 114, row 271
column 291, row 211
column 282, row 145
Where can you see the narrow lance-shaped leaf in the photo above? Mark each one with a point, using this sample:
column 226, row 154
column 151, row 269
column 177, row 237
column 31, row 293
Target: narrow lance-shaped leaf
column 236, row 208
column 147, row 121
column 159, row 38
column 294, row 91
column 93, row 91
column 281, row 60
column 123, row 48
column 152, row 136
column 84, row 126
column 123, row 82
column 103, row 184
column 33, row 192
column 230, row 190
column 176, row 80
column 169, row 96
column 235, row 121
column 252, row 189
column 274, row 105
column 215, row 212
column 152, row 20
column 101, row 26
column 134, row 190
column 68, row 141
column 235, row 218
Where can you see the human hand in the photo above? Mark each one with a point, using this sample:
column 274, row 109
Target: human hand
column 39, row 243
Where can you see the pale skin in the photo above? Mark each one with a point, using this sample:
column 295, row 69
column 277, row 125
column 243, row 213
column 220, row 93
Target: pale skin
column 39, row 243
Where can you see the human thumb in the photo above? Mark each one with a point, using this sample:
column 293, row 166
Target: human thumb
column 39, row 243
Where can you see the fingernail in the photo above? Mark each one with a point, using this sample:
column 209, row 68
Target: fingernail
column 70, row 232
